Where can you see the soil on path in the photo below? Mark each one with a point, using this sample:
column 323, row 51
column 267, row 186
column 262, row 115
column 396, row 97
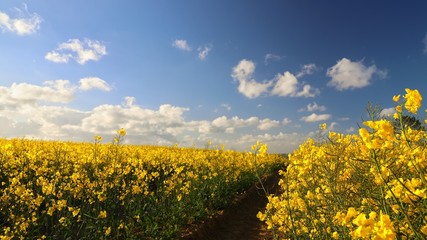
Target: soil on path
column 239, row 221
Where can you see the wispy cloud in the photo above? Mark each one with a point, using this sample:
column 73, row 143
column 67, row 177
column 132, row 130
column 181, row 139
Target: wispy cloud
column 80, row 51
column 351, row 75
column 286, row 121
column 271, row 57
column 89, row 83
column 29, row 23
column 307, row 69
column 316, row 117
column 181, row 45
column 226, row 106
column 311, row 107
column 204, row 51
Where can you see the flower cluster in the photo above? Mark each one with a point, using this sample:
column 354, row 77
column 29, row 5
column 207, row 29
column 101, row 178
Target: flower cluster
column 66, row 190
column 372, row 185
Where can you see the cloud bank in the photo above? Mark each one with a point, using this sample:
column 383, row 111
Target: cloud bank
column 42, row 112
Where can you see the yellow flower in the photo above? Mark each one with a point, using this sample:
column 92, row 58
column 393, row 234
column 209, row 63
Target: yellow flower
column 396, row 98
column 396, row 115
column 97, row 138
column 121, row 132
column 384, row 228
column 322, row 126
column 413, row 100
column 103, row 214
column 335, row 235
column 108, row 231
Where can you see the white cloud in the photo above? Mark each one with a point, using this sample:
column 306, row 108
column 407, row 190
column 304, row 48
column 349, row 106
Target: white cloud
column 287, row 85
column 41, row 112
column 332, row 126
column 286, row 121
column 316, row 117
column 28, row 24
column 387, row 112
column 273, row 141
column 307, row 69
column 80, row 51
column 350, row 130
column 266, row 124
column 223, row 124
column 271, row 57
column 350, row 75
column 182, row 45
column 226, row 106
column 204, row 51
column 58, row 91
column 247, row 85
column 311, row 107
column 89, row 83
column 57, row 57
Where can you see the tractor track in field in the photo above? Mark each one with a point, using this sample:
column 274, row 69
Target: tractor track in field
column 238, row 221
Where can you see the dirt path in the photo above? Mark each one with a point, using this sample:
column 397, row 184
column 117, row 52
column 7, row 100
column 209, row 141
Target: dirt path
column 239, row 221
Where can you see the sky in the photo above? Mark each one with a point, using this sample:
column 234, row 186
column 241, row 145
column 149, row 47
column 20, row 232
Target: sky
column 193, row 72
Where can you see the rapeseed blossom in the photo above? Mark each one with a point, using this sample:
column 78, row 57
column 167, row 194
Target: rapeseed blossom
column 370, row 185
column 112, row 191
column 413, row 100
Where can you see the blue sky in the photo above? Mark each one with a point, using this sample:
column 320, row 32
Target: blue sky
column 189, row 72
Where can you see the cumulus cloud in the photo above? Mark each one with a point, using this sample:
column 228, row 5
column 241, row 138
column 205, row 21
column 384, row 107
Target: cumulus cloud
column 312, row 107
column 307, row 69
column 286, row 121
column 284, row 85
column 182, row 45
column 266, row 124
column 351, row 75
column 316, row 117
column 287, row 85
column 80, row 51
column 89, row 83
column 41, row 111
column 242, row 73
column 271, row 57
column 58, row 91
column 55, row 91
column 204, row 51
column 29, row 23
column 274, row 141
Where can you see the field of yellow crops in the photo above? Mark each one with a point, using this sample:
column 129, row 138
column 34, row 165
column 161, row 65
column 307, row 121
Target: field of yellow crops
column 371, row 185
column 67, row 190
